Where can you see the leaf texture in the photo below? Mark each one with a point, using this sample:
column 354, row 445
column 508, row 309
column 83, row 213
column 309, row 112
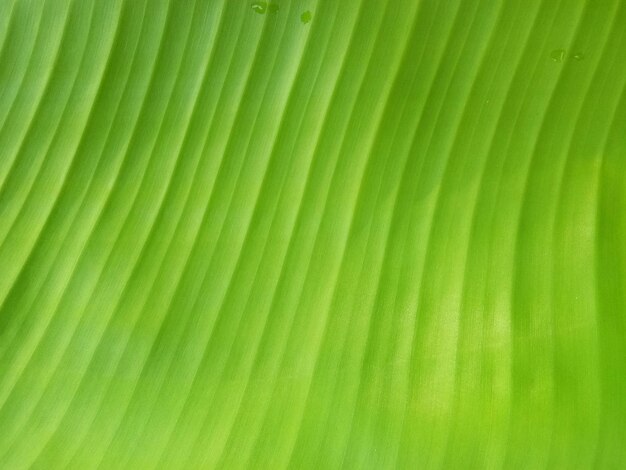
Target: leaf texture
column 312, row 234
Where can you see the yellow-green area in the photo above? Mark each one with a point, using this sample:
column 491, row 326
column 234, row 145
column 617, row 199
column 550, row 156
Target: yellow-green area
column 312, row 234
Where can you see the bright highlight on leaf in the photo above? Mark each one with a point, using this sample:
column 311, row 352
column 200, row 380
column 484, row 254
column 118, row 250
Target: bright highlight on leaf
column 233, row 237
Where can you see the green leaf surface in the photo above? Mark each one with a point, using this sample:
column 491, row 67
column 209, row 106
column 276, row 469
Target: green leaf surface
column 312, row 234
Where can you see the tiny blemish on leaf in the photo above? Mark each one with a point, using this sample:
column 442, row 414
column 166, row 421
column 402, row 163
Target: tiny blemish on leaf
column 306, row 17
column 557, row 55
column 259, row 7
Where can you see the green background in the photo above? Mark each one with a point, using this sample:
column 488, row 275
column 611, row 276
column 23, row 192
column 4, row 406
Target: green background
column 393, row 236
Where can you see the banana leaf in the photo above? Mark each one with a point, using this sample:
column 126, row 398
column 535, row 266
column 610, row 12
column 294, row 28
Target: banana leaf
column 312, row 234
